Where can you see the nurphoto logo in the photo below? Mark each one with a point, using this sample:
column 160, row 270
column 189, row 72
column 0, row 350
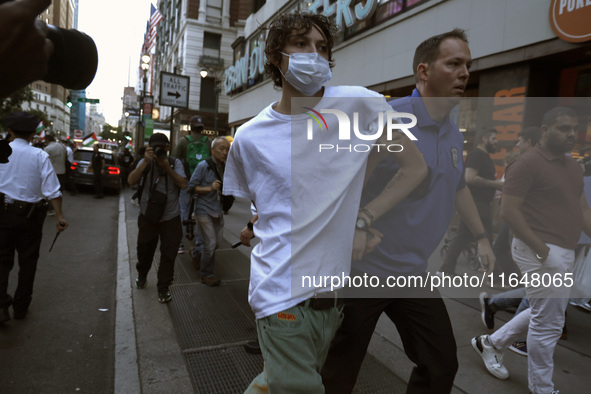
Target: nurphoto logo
column 393, row 122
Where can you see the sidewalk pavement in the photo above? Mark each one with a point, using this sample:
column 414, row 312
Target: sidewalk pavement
column 195, row 343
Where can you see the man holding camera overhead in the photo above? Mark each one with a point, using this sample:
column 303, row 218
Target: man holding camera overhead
column 160, row 180
column 37, row 50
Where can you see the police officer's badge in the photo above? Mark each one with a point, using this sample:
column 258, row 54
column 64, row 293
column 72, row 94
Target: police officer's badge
column 454, row 157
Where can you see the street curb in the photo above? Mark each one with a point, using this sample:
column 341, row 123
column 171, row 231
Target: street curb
column 126, row 367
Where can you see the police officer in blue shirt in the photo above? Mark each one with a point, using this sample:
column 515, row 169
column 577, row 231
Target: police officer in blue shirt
column 26, row 181
column 412, row 231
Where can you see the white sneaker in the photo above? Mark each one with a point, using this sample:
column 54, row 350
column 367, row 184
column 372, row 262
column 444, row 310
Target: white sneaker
column 493, row 358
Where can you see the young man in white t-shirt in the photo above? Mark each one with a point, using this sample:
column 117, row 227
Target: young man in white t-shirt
column 306, row 186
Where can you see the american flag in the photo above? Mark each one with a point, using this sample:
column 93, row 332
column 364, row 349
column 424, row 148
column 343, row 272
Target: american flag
column 150, row 36
column 146, row 39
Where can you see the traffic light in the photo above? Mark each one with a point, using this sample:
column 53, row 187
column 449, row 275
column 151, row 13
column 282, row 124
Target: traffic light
column 69, row 101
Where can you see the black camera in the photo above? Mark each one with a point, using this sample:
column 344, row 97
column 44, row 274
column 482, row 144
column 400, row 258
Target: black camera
column 190, row 228
column 74, row 60
column 160, row 152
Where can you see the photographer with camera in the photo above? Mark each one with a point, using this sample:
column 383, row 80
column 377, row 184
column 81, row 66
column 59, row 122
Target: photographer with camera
column 32, row 50
column 206, row 181
column 160, row 180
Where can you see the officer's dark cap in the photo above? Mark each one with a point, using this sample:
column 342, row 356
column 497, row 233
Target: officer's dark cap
column 158, row 139
column 21, row 122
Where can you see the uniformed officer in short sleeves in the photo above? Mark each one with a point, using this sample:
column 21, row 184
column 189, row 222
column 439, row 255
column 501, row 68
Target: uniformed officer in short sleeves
column 27, row 181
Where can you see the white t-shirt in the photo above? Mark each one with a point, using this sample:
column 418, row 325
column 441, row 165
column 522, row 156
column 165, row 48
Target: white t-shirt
column 28, row 175
column 307, row 210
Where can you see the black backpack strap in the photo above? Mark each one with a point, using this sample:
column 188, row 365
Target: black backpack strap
column 227, row 200
column 212, row 166
column 140, row 186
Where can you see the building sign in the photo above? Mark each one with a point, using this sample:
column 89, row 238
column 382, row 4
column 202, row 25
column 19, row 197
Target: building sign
column 353, row 16
column 248, row 68
column 571, row 19
column 345, row 13
column 148, row 126
column 502, row 106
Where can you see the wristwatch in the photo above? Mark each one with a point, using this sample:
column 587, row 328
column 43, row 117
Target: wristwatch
column 250, row 226
column 361, row 224
column 366, row 212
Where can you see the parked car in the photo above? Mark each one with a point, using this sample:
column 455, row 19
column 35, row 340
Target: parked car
column 82, row 172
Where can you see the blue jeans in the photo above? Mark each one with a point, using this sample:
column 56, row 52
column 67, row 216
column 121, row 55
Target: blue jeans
column 211, row 229
column 508, row 299
column 514, row 298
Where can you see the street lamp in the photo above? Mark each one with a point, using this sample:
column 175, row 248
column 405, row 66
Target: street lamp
column 126, row 125
column 145, row 67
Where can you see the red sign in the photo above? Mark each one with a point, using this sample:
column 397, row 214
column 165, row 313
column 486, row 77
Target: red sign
column 77, row 133
column 148, row 104
column 570, row 19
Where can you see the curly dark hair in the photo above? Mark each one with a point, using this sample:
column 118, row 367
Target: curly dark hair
column 283, row 27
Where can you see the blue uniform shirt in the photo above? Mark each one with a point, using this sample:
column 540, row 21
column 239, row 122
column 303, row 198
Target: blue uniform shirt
column 414, row 228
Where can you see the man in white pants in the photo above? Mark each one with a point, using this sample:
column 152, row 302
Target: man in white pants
column 544, row 204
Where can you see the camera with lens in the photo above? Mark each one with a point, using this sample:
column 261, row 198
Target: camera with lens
column 190, row 228
column 160, row 152
column 74, row 60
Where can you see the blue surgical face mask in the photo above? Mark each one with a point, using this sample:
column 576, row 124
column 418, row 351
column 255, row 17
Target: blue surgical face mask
column 307, row 72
